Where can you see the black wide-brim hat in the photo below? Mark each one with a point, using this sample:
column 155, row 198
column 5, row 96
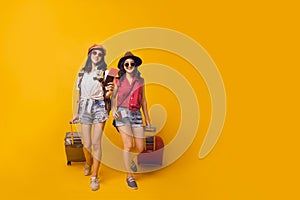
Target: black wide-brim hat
column 127, row 55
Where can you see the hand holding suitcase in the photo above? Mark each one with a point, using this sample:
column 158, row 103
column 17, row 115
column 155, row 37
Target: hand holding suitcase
column 74, row 146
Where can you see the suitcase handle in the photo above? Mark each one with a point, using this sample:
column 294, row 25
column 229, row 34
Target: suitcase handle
column 150, row 129
column 72, row 131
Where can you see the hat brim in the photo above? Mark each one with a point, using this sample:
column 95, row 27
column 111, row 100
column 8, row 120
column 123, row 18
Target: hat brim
column 97, row 48
column 136, row 59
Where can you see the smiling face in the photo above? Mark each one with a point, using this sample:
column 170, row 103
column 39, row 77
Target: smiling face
column 96, row 56
column 129, row 65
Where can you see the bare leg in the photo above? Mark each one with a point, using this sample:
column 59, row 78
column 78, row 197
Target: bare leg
column 138, row 134
column 97, row 149
column 126, row 135
column 87, row 143
column 139, row 141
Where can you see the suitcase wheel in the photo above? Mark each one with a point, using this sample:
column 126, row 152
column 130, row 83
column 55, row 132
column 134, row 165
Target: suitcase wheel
column 69, row 163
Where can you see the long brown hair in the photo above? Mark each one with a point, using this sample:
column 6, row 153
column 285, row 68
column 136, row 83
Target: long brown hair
column 101, row 65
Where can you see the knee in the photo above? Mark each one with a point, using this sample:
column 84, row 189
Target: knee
column 87, row 145
column 139, row 148
column 96, row 145
column 128, row 147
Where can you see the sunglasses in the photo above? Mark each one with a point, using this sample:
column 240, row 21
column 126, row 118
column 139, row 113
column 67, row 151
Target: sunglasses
column 97, row 54
column 131, row 64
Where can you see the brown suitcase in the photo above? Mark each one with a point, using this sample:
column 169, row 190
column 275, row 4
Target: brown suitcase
column 74, row 147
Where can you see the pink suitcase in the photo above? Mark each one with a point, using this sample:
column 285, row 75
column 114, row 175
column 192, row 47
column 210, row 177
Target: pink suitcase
column 153, row 149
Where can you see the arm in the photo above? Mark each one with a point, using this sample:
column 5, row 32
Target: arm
column 109, row 90
column 108, row 84
column 145, row 108
column 76, row 114
column 114, row 101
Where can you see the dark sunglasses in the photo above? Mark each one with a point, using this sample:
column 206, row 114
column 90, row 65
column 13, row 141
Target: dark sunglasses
column 97, row 54
column 131, row 64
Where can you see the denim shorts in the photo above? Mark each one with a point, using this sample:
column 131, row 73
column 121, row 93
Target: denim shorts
column 92, row 111
column 132, row 118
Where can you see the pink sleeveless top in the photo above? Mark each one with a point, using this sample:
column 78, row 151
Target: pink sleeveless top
column 133, row 100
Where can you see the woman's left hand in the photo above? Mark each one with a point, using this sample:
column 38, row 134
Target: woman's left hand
column 109, row 89
column 110, row 86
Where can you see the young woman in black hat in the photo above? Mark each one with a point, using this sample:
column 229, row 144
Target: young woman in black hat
column 91, row 110
column 127, row 99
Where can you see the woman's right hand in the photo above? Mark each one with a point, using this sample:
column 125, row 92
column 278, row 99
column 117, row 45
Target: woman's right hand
column 115, row 114
column 75, row 119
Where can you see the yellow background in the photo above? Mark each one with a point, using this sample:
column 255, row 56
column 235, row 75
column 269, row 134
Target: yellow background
column 255, row 46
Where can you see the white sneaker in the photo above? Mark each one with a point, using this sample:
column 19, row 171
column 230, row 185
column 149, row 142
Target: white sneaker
column 87, row 169
column 94, row 183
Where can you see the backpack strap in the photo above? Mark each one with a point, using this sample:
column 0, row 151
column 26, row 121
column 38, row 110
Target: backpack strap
column 80, row 76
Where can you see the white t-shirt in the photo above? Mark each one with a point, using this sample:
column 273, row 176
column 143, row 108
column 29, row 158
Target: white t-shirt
column 90, row 88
